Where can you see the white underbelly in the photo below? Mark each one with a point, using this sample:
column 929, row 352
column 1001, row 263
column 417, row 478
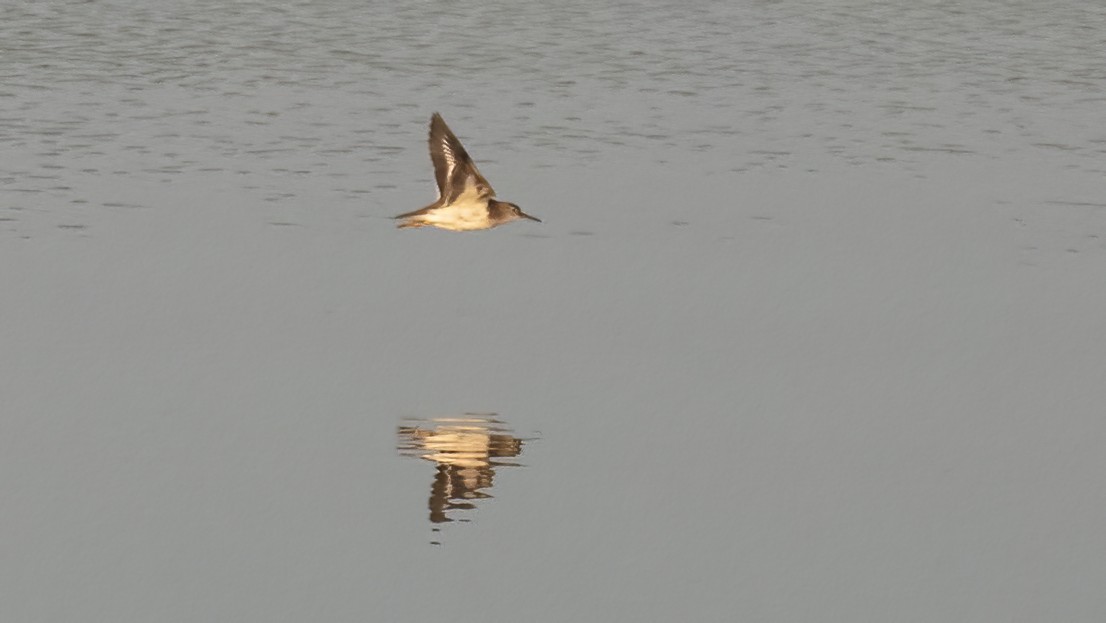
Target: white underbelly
column 460, row 216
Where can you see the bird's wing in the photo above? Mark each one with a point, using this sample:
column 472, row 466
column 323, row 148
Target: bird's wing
column 453, row 168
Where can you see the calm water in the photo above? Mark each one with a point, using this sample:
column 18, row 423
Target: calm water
column 813, row 328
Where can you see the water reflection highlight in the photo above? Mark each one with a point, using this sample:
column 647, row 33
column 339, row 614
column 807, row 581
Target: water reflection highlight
column 467, row 450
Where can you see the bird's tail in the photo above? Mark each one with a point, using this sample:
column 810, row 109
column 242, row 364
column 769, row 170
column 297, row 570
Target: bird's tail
column 410, row 223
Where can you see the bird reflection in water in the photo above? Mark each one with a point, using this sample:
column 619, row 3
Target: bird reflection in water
column 467, row 450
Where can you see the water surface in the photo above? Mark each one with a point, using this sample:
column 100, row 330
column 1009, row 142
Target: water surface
column 812, row 329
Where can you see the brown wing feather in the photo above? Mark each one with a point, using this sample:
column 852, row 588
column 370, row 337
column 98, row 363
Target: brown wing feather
column 453, row 168
column 418, row 212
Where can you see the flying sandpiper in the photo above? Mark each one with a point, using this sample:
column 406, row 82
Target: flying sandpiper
column 465, row 199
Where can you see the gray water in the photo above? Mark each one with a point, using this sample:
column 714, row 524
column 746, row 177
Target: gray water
column 813, row 329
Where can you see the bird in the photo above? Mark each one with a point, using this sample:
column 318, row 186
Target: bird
column 466, row 201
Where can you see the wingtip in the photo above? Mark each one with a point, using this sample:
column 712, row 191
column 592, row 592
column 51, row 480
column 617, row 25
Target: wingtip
column 437, row 125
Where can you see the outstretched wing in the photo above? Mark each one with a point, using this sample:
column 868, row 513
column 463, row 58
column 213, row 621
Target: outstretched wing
column 453, row 168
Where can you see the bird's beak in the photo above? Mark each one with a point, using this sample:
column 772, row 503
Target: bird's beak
column 525, row 215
